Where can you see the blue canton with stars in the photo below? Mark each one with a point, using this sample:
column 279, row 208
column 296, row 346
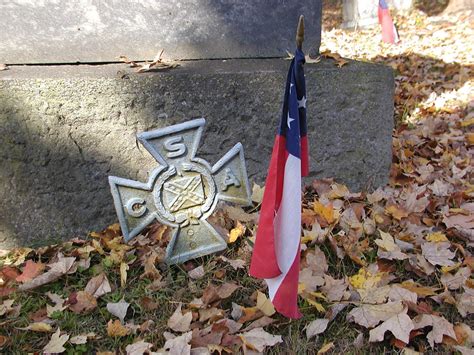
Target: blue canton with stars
column 293, row 121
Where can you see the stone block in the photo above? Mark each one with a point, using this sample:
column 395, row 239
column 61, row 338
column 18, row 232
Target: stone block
column 64, row 129
column 51, row 31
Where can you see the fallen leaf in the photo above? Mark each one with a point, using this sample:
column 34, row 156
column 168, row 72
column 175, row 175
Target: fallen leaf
column 139, row 348
column 257, row 193
column 57, row 269
column 236, row 232
column 116, row 329
column 180, row 322
column 326, row 347
column 6, row 307
column 197, row 273
column 82, row 339
column 368, row 315
column 30, row 271
column 400, row 325
column 236, row 264
column 388, row 249
column 84, row 302
column 98, row 286
column 438, row 253
column 41, row 327
column 56, row 343
column 258, row 339
column 316, row 327
column 123, row 274
column 440, row 326
column 453, row 282
column 264, row 304
column 118, row 309
column 179, row 345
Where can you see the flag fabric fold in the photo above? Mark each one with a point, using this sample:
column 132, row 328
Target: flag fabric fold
column 276, row 253
column 389, row 31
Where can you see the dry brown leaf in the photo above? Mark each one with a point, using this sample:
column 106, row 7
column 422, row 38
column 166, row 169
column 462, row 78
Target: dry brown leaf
column 56, row 343
column 453, row 282
column 236, row 264
column 334, row 289
column 118, row 309
column 440, row 326
column 258, row 339
column 82, row 338
column 138, row 348
column 116, row 329
column 151, row 272
column 84, row 302
column 180, row 322
column 212, row 314
column 57, row 269
column 6, row 307
column 438, row 253
column 316, row 327
column 388, row 249
column 197, row 273
column 368, row 315
column 98, row 286
column 465, row 302
column 400, row 325
column 180, row 344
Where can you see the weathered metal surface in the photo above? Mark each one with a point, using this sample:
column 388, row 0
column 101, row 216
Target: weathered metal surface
column 52, row 31
column 182, row 191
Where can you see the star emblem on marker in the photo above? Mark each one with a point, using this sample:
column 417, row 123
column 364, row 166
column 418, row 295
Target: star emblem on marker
column 182, row 192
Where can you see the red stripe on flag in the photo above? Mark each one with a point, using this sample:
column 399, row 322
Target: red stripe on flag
column 304, row 156
column 264, row 262
column 286, row 298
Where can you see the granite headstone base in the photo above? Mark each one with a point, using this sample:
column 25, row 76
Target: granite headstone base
column 64, row 129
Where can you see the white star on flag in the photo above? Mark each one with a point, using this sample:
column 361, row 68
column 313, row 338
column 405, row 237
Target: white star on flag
column 289, row 120
column 291, row 85
column 302, row 102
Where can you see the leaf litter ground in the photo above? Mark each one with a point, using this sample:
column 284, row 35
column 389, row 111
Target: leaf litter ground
column 386, row 271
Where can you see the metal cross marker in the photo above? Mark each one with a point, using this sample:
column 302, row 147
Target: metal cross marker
column 182, row 191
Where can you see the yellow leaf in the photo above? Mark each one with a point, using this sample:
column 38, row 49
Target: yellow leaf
column 301, row 288
column 116, row 329
column 468, row 122
column 264, row 304
column 318, row 295
column 40, row 327
column 446, row 269
column 418, row 289
column 436, row 237
column 326, row 348
column 123, row 274
column 236, row 232
column 319, row 306
column 97, row 247
column 364, row 279
column 327, row 212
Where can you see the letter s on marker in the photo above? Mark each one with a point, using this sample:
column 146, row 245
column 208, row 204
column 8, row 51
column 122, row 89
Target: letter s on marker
column 175, row 147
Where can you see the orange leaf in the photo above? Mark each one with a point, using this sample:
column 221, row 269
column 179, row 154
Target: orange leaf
column 30, row 271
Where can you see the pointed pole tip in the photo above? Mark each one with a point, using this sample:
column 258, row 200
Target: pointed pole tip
column 300, row 32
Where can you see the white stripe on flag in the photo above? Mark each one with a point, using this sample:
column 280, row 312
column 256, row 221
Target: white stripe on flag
column 287, row 222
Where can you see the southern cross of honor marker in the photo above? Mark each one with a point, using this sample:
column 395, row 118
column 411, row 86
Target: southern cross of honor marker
column 182, row 192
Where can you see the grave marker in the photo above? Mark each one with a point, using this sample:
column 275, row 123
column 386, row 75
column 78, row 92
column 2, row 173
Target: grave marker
column 182, row 191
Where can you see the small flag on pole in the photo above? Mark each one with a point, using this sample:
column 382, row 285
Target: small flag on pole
column 389, row 31
column 276, row 254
